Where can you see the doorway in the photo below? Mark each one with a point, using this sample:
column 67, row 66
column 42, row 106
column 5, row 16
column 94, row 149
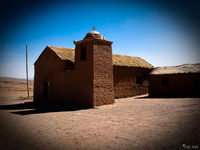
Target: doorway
column 47, row 91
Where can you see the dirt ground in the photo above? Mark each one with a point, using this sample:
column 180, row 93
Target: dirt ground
column 138, row 123
column 131, row 123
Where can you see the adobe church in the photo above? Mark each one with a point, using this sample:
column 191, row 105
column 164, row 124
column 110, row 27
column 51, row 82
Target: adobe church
column 89, row 75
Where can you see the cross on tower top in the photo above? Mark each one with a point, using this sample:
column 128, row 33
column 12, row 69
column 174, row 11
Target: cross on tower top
column 93, row 28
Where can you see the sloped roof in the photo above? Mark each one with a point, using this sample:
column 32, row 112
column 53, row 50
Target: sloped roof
column 186, row 68
column 129, row 61
column 118, row 60
column 64, row 53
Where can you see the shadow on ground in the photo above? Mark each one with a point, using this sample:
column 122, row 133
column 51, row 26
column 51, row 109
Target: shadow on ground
column 166, row 97
column 37, row 108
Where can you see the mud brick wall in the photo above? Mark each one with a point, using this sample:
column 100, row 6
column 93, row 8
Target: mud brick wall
column 178, row 85
column 125, row 84
column 103, row 74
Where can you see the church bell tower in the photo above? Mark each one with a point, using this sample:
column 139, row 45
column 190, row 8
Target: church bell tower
column 94, row 70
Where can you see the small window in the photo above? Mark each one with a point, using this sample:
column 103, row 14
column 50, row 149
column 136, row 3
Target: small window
column 165, row 81
column 83, row 54
column 138, row 80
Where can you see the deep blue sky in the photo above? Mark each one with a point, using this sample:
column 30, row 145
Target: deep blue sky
column 163, row 32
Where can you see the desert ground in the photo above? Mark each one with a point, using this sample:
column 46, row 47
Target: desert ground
column 134, row 123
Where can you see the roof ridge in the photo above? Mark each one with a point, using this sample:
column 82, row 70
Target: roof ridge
column 59, row 47
column 127, row 55
column 118, row 60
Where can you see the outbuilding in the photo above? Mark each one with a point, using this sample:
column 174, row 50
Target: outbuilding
column 183, row 80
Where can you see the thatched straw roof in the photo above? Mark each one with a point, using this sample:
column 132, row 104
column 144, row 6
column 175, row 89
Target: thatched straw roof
column 129, row 61
column 186, row 68
column 118, row 60
column 64, row 53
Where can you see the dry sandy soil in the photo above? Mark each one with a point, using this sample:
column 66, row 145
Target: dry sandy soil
column 131, row 123
column 14, row 86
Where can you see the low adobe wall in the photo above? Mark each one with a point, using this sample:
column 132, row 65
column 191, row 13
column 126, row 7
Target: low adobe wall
column 125, row 84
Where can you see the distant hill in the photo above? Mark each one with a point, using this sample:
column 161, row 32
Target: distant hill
column 10, row 86
column 14, row 79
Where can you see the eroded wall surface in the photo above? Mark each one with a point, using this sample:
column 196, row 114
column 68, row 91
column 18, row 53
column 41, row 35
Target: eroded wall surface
column 103, row 92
